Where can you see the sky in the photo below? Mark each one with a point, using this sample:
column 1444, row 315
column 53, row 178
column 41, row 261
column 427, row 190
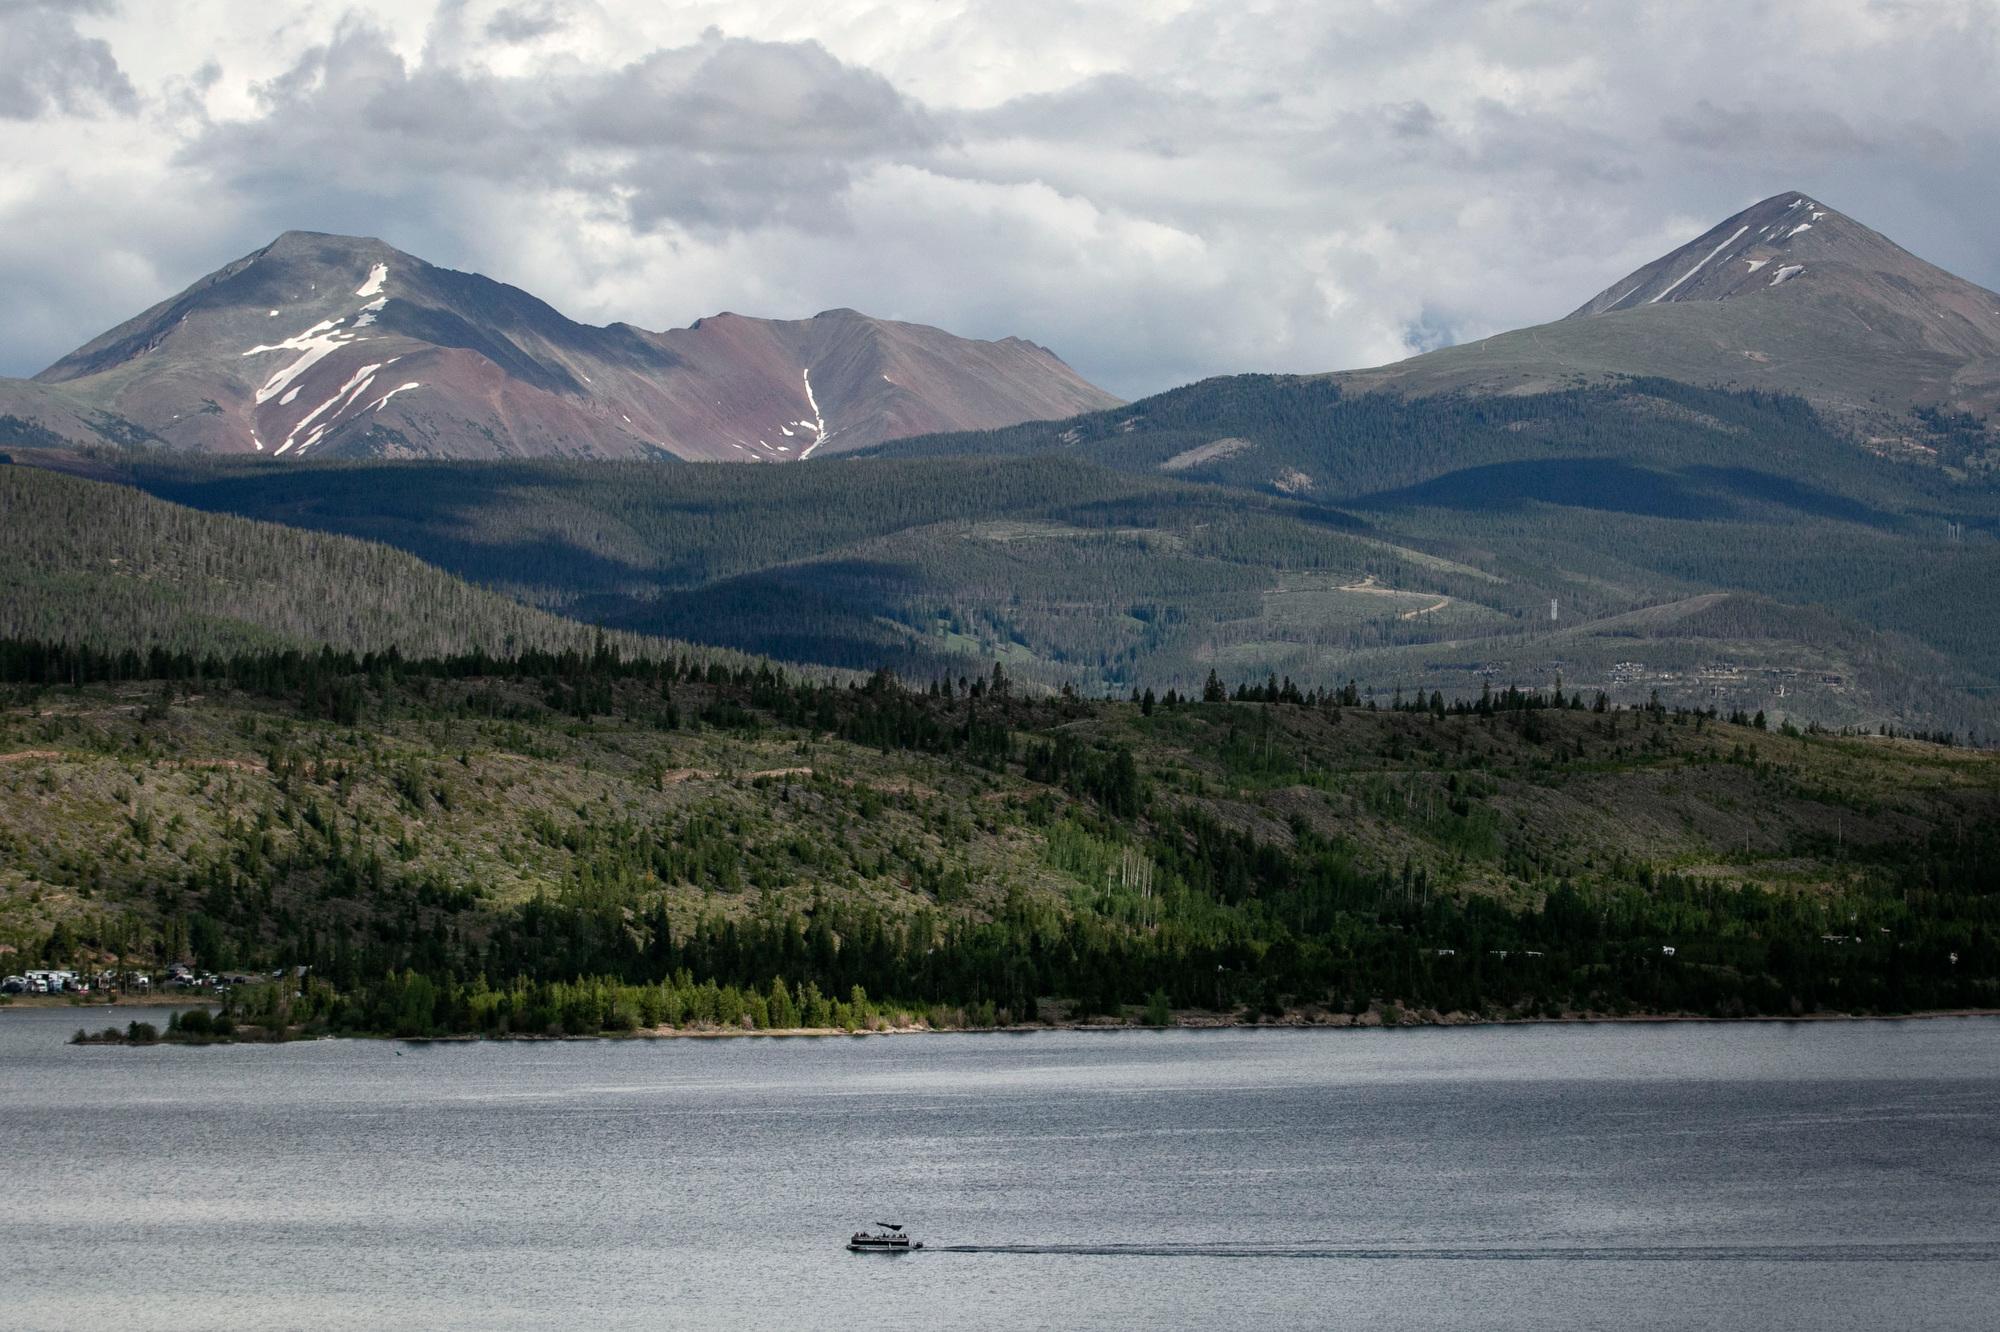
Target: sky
column 1158, row 191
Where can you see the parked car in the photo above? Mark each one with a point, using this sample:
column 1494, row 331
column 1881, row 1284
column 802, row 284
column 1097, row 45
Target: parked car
column 14, row 985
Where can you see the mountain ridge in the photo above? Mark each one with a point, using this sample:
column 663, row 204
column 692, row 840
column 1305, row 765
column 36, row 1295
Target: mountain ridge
column 348, row 346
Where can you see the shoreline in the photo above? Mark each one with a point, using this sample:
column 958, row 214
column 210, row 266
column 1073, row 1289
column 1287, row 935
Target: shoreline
column 1296, row 1024
column 41, row 1001
column 819, row 1033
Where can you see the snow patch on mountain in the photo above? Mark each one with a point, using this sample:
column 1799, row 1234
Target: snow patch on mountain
column 1703, row 264
column 378, row 404
column 376, row 277
column 357, row 383
column 818, row 423
column 313, row 346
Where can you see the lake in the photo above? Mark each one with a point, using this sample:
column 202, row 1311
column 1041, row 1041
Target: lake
column 1810, row 1176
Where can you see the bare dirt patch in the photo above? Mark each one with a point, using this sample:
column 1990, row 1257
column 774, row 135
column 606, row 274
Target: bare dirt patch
column 1369, row 586
column 1206, row 453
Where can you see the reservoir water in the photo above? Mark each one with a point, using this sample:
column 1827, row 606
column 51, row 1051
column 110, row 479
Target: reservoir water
column 1778, row 1176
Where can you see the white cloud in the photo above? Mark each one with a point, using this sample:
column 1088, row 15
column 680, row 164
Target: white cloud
column 1158, row 191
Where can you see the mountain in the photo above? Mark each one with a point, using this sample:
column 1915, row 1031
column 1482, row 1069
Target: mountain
column 1789, row 296
column 1790, row 413
column 342, row 346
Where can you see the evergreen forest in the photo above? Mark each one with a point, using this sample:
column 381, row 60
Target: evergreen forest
column 583, row 841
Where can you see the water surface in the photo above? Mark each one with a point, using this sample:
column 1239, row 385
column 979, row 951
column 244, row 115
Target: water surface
column 1810, row 1176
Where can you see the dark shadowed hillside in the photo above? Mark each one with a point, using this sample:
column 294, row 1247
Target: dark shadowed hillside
column 1072, row 572
column 105, row 565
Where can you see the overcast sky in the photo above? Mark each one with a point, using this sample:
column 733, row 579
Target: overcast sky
column 1159, row 191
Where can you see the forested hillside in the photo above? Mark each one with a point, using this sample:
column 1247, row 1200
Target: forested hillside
column 109, row 567
column 585, row 843
column 1616, row 499
column 1257, row 431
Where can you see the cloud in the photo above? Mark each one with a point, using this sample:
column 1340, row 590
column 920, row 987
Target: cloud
column 721, row 134
column 523, row 23
column 1158, row 189
column 1725, row 129
column 49, row 66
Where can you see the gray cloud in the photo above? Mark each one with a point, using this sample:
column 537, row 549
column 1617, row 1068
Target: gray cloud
column 523, row 23
column 1822, row 133
column 749, row 99
column 49, row 66
column 725, row 133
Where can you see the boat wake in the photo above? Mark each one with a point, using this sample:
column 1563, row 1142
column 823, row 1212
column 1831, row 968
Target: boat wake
column 1915, row 1252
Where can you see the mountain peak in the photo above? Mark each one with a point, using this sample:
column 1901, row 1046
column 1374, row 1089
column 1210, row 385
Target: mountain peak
column 1772, row 242
column 1789, row 295
column 330, row 247
column 295, row 236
